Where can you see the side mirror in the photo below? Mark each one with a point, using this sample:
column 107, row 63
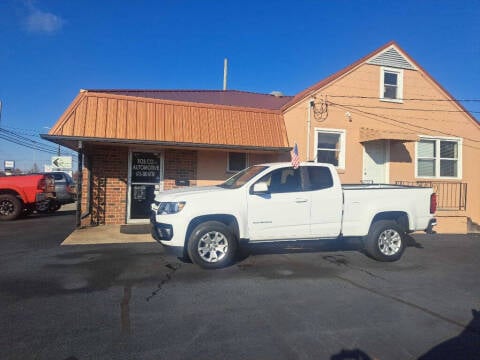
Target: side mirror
column 260, row 188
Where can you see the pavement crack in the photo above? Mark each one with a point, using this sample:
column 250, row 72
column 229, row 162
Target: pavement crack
column 172, row 268
column 341, row 260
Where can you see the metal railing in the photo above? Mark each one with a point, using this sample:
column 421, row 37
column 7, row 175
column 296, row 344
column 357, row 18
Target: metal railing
column 451, row 196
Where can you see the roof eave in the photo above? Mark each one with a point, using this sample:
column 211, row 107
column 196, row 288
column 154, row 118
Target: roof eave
column 72, row 142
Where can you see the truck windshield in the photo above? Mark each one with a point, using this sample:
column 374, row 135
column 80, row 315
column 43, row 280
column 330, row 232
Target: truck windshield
column 240, row 178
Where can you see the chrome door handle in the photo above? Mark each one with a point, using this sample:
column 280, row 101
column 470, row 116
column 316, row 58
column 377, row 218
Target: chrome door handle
column 301, row 200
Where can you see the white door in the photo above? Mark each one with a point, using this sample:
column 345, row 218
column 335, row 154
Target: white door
column 375, row 161
column 282, row 213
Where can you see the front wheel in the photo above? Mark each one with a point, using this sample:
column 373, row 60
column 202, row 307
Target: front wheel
column 385, row 241
column 212, row 245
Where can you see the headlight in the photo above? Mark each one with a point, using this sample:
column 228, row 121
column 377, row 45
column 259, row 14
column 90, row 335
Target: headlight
column 166, row 208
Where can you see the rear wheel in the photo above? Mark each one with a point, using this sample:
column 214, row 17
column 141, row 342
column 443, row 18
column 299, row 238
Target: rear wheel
column 385, row 241
column 212, row 245
column 10, row 207
column 47, row 206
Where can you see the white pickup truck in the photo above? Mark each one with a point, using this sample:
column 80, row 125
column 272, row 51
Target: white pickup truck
column 275, row 202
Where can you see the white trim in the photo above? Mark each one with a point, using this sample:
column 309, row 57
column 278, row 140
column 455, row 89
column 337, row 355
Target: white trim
column 228, row 161
column 343, row 142
column 437, row 140
column 399, row 72
column 129, row 181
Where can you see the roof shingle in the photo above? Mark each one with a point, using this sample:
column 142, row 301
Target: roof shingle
column 215, row 97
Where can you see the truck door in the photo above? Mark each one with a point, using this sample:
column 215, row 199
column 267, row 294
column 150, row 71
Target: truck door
column 326, row 201
column 282, row 213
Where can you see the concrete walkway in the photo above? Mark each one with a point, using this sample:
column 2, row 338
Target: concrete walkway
column 107, row 234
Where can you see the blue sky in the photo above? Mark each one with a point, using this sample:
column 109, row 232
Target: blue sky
column 51, row 49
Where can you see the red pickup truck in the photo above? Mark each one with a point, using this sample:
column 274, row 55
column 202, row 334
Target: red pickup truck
column 19, row 194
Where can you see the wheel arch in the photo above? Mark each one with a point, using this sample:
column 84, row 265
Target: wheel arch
column 400, row 217
column 229, row 220
column 11, row 192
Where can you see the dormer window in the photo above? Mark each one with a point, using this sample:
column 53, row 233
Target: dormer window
column 391, row 84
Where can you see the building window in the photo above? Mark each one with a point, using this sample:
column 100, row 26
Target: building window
column 236, row 161
column 330, row 147
column 439, row 158
column 391, row 84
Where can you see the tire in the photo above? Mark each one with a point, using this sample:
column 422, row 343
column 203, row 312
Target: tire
column 47, row 206
column 43, row 206
column 10, row 207
column 212, row 245
column 54, row 206
column 385, row 241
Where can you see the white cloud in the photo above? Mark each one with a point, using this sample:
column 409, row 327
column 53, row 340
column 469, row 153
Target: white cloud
column 38, row 21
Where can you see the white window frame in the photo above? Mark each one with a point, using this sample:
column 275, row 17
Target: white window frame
column 228, row 161
column 343, row 135
column 399, row 72
column 437, row 140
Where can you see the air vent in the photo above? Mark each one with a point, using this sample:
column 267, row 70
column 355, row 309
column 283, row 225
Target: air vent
column 391, row 58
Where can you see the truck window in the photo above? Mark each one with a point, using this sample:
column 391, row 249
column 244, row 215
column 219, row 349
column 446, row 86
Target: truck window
column 317, row 177
column 283, row 180
column 240, row 178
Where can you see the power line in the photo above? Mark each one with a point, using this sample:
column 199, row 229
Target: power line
column 2, row 136
column 411, row 109
column 24, row 139
column 365, row 113
column 414, row 99
column 18, row 139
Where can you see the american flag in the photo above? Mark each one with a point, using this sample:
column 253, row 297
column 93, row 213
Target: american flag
column 295, row 158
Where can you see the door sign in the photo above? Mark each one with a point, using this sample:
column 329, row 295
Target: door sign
column 145, row 168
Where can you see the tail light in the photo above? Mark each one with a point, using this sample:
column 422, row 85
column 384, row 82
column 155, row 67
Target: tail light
column 433, row 203
column 42, row 184
column 46, row 184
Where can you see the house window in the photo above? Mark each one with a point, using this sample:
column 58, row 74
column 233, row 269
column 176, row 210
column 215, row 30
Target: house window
column 439, row 158
column 330, row 147
column 391, row 84
column 236, row 161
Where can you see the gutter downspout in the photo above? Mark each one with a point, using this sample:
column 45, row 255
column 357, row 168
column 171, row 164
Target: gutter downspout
column 79, row 185
column 309, row 111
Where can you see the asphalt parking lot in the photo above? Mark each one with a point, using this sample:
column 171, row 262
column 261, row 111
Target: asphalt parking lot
column 288, row 301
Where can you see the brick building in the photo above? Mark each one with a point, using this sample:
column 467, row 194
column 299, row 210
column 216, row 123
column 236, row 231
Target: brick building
column 381, row 119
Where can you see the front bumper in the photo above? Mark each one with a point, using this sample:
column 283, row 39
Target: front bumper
column 163, row 233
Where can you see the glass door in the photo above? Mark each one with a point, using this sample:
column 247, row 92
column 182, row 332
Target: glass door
column 145, row 175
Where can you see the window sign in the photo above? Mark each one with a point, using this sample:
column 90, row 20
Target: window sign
column 145, row 168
